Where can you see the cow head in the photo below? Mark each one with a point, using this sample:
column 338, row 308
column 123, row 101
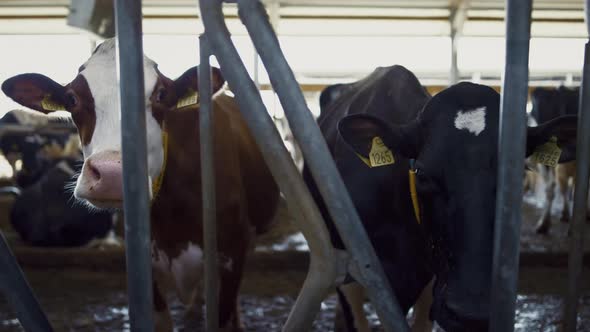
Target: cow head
column 454, row 143
column 92, row 99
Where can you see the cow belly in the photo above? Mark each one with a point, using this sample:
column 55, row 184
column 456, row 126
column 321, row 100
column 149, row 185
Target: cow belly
column 183, row 273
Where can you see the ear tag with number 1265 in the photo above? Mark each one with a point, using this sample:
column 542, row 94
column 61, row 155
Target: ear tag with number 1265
column 380, row 154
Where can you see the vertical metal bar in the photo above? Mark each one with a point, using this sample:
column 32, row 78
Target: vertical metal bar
column 19, row 295
column 208, row 188
column 454, row 74
column 321, row 165
column 135, row 175
column 511, row 152
column 580, row 198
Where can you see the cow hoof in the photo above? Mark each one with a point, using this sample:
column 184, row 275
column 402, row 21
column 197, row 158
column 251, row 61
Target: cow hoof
column 163, row 322
column 542, row 228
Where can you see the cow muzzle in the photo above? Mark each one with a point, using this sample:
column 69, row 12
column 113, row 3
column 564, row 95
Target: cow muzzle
column 101, row 181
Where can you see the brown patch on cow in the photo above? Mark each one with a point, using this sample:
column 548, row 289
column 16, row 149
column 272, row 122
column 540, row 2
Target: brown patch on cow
column 246, row 194
column 83, row 112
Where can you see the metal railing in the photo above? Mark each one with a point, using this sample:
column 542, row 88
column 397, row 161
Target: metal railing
column 134, row 154
column 365, row 266
column 327, row 265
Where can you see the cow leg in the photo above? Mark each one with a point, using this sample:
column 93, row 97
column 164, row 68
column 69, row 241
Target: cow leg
column 562, row 178
column 422, row 322
column 230, row 279
column 544, row 222
column 162, row 317
column 350, row 313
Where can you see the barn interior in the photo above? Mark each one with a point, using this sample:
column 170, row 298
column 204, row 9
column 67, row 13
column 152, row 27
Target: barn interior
column 79, row 278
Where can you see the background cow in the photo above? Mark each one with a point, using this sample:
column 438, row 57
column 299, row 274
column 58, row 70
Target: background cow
column 548, row 104
column 45, row 213
column 35, row 151
column 246, row 194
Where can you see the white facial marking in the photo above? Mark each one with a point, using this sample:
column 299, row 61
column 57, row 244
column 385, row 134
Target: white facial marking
column 473, row 120
column 101, row 74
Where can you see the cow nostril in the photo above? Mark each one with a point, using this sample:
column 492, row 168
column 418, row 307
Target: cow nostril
column 94, row 173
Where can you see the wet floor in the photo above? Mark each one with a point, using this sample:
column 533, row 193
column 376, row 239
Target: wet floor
column 86, row 300
column 78, row 300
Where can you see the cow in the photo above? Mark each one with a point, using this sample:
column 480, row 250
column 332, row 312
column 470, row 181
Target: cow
column 44, row 214
column 30, row 148
column 396, row 95
column 447, row 145
column 246, row 194
column 548, row 104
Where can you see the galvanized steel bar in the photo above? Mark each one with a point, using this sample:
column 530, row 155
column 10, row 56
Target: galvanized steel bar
column 135, row 176
column 19, row 295
column 577, row 226
column 322, row 273
column 319, row 160
column 511, row 153
column 208, row 188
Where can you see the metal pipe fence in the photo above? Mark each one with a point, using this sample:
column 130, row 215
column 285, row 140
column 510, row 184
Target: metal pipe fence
column 511, row 153
column 134, row 155
column 18, row 293
column 576, row 250
column 208, row 188
column 319, row 160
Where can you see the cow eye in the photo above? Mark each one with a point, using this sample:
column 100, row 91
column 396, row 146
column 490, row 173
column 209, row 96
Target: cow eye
column 160, row 95
column 71, row 99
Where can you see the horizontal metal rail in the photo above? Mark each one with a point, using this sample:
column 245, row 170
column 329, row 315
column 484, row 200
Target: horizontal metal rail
column 30, row 130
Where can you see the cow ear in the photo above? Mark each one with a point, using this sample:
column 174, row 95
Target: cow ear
column 189, row 81
column 359, row 130
column 563, row 129
column 35, row 91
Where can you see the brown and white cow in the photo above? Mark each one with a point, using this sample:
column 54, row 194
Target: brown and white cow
column 246, row 194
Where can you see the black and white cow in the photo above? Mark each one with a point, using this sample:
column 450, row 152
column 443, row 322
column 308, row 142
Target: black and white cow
column 46, row 214
column 548, row 104
column 30, row 148
column 452, row 141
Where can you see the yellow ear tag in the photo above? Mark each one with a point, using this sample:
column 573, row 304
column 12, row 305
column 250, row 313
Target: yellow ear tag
column 49, row 104
column 189, row 99
column 547, row 154
column 380, row 154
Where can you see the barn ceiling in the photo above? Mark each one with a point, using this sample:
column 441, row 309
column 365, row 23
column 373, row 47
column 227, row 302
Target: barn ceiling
column 551, row 18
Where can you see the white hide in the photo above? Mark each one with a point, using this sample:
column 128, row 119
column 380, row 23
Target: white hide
column 101, row 74
column 473, row 120
column 183, row 273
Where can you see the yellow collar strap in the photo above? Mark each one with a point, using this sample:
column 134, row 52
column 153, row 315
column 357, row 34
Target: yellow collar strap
column 413, row 192
column 158, row 182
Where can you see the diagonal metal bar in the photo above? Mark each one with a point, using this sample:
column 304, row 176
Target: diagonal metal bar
column 511, row 153
column 15, row 288
column 324, row 263
column 321, row 165
column 135, row 175
column 208, row 188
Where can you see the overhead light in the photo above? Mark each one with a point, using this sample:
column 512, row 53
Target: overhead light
column 95, row 16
